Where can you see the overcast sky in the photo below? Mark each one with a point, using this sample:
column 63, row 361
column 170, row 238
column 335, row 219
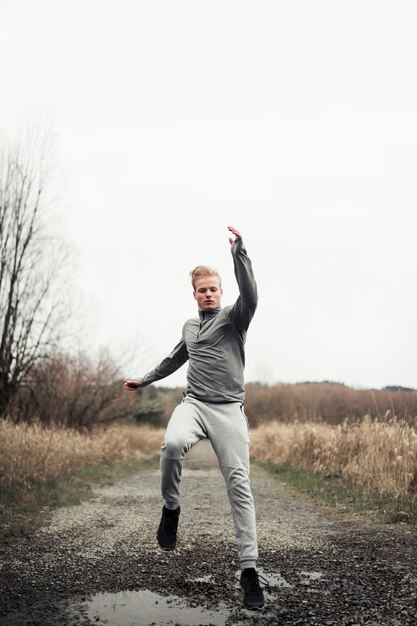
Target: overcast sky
column 294, row 121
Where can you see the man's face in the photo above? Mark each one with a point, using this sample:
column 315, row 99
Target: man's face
column 208, row 293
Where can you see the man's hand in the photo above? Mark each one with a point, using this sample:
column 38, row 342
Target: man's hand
column 236, row 234
column 132, row 385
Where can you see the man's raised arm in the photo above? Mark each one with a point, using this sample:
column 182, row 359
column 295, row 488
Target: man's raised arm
column 248, row 299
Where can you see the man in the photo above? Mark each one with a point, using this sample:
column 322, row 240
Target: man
column 212, row 408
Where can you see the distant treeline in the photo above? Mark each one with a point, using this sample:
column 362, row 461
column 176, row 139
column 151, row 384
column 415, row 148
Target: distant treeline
column 74, row 392
column 328, row 402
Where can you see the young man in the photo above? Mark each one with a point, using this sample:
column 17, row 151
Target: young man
column 214, row 345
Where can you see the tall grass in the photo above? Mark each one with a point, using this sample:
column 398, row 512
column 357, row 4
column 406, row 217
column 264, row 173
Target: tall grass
column 30, row 452
column 377, row 456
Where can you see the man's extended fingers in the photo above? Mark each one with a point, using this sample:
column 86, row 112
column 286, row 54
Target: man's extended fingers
column 234, row 231
column 236, row 234
column 132, row 385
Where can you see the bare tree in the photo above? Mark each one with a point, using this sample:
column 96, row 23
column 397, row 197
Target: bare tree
column 30, row 265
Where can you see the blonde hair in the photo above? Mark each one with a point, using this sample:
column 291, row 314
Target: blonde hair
column 203, row 270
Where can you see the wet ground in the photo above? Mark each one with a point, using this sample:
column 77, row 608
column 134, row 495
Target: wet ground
column 98, row 563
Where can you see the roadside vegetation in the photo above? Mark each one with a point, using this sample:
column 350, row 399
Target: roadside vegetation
column 367, row 467
column 380, row 457
column 33, row 453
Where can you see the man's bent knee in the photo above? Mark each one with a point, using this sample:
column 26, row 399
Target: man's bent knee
column 174, row 448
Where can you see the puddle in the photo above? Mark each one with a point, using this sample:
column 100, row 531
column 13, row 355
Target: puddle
column 145, row 608
column 274, row 579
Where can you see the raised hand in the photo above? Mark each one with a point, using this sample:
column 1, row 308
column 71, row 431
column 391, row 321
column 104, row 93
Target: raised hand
column 236, row 234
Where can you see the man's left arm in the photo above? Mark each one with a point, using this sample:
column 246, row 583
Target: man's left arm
column 246, row 304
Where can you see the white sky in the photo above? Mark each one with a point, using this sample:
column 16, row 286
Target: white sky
column 294, row 121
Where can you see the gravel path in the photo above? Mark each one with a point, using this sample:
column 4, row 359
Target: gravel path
column 321, row 570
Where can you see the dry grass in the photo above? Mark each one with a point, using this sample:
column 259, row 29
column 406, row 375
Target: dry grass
column 34, row 453
column 377, row 456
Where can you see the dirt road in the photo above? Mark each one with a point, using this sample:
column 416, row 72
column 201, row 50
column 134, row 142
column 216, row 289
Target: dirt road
column 98, row 563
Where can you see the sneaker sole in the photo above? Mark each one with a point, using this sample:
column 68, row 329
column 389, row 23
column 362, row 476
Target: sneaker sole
column 166, row 548
column 254, row 608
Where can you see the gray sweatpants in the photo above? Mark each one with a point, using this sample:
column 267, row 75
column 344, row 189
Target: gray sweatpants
column 226, row 426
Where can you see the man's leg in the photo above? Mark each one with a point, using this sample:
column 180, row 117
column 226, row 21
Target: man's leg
column 183, row 431
column 229, row 435
column 228, row 432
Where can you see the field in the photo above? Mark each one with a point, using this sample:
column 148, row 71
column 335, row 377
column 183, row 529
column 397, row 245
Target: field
column 33, row 453
column 376, row 456
column 373, row 455
column 338, row 445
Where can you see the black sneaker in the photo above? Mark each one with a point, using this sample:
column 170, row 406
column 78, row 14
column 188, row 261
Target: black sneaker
column 167, row 531
column 253, row 595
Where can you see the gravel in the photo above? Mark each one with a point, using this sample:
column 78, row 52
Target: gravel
column 320, row 569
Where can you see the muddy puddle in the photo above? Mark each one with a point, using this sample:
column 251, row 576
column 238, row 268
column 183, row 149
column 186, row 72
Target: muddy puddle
column 145, row 608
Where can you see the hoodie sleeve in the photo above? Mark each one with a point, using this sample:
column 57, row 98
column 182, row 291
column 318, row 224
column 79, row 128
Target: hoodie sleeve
column 169, row 365
column 245, row 306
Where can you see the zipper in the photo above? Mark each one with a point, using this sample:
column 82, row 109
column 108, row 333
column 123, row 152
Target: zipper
column 201, row 325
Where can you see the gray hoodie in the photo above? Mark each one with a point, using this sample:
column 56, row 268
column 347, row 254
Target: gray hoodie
column 214, row 343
